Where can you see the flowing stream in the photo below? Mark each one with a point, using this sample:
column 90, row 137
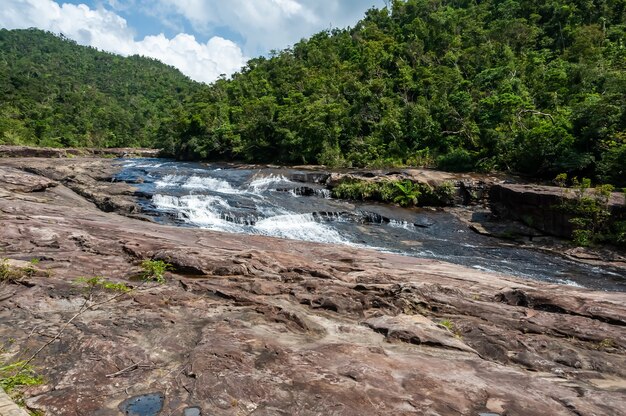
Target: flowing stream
column 273, row 202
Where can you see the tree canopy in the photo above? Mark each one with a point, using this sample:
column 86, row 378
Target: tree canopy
column 534, row 87
column 54, row 92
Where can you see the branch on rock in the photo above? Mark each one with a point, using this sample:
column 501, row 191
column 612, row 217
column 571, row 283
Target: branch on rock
column 129, row 369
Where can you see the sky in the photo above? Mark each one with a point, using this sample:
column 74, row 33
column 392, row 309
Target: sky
column 202, row 38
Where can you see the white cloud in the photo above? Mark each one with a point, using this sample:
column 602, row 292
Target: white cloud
column 108, row 31
column 202, row 62
column 264, row 24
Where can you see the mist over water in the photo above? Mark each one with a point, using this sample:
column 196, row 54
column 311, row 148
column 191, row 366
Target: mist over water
column 267, row 202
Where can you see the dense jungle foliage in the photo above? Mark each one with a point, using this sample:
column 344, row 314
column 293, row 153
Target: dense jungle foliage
column 54, row 92
column 535, row 87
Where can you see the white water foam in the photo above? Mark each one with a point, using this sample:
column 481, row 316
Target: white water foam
column 141, row 164
column 262, row 183
column 271, row 211
column 149, row 165
column 569, row 282
column 169, row 181
column 199, row 210
column 299, row 227
column 402, row 224
column 483, row 269
column 205, row 211
column 203, row 183
column 210, row 184
column 324, row 193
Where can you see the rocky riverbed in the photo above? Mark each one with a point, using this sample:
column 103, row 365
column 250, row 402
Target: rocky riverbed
column 249, row 324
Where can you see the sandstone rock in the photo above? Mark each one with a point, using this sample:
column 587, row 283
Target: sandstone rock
column 539, row 206
column 8, row 407
column 13, row 180
column 416, row 329
column 89, row 178
column 255, row 325
column 53, row 152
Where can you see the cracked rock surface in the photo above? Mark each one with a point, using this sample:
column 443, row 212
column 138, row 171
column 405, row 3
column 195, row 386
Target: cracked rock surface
column 250, row 325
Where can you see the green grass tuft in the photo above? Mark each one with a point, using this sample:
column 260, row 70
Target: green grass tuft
column 16, row 375
column 99, row 282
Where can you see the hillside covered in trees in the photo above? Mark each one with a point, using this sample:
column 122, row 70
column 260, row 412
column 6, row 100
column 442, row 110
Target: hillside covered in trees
column 536, row 87
column 54, row 92
column 533, row 87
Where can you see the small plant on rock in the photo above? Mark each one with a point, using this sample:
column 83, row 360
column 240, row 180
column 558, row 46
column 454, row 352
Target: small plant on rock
column 561, row 180
column 154, row 270
column 605, row 344
column 6, row 271
column 446, row 323
column 99, row 282
column 450, row 326
column 30, row 270
column 10, row 273
column 17, row 375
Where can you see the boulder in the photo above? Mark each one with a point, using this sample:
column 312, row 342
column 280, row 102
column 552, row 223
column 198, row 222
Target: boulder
column 541, row 206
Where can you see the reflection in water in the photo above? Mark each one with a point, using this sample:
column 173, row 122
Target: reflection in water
column 143, row 405
column 267, row 202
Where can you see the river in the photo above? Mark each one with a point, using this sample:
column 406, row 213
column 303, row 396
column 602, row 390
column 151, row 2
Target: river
column 269, row 202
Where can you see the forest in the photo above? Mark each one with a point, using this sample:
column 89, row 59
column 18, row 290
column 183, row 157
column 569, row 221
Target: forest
column 56, row 93
column 532, row 87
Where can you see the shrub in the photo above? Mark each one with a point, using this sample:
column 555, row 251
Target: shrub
column 421, row 158
column 619, row 235
column 445, row 192
column 154, row 270
column 591, row 217
column 405, row 192
column 457, row 160
column 612, row 167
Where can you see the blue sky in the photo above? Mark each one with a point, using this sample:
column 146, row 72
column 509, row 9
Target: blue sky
column 203, row 38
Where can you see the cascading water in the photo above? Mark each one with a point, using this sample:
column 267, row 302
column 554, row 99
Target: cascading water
column 268, row 202
column 253, row 210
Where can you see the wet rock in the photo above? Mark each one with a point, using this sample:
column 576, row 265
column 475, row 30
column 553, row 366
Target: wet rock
column 423, row 222
column 373, row 218
column 309, row 177
column 300, row 191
